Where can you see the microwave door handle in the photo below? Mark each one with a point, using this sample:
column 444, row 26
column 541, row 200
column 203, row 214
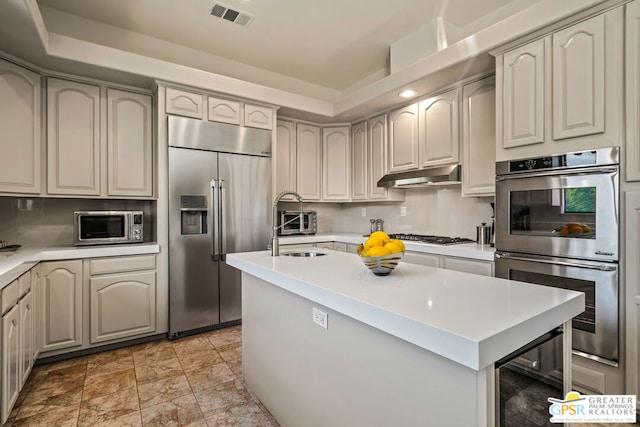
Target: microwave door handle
column 223, row 222
column 561, row 263
column 214, row 219
column 583, row 171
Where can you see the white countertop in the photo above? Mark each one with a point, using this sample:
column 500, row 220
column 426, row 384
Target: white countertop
column 471, row 319
column 13, row 264
column 465, row 250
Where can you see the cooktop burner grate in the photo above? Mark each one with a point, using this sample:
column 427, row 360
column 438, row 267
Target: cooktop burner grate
column 425, row 238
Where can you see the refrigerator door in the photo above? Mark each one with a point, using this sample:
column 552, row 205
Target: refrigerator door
column 245, row 219
column 193, row 275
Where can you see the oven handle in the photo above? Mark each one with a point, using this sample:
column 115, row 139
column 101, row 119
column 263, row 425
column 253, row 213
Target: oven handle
column 583, row 171
column 599, row 267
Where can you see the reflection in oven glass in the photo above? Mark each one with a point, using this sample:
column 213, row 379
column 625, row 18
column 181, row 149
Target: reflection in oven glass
column 566, row 212
column 585, row 321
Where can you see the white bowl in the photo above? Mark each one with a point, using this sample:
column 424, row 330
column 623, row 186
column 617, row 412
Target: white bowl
column 382, row 265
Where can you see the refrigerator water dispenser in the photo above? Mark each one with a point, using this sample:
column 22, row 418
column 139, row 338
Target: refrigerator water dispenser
column 193, row 213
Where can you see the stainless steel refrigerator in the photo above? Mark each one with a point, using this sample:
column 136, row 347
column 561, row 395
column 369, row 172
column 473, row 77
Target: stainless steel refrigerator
column 219, row 203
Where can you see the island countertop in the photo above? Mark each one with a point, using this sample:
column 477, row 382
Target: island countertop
column 471, row 319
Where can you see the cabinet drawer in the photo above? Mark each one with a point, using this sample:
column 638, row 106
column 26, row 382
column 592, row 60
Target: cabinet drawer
column 10, row 295
column 468, row 266
column 122, row 264
column 24, row 284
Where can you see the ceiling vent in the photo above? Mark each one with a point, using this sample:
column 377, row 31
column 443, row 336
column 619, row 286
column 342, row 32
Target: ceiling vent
column 220, row 10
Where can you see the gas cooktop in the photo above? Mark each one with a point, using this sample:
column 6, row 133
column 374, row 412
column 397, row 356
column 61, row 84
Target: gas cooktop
column 437, row 240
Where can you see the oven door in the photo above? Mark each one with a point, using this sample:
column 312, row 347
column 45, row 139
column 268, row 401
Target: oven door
column 595, row 331
column 556, row 213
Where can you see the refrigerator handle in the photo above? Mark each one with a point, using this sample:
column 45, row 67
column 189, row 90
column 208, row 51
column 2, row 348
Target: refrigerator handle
column 213, row 213
column 223, row 221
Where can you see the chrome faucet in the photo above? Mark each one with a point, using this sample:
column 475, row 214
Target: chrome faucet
column 275, row 245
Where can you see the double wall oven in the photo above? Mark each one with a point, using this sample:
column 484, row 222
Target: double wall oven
column 557, row 225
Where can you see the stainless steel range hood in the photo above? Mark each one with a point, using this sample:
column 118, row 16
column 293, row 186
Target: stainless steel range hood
column 436, row 176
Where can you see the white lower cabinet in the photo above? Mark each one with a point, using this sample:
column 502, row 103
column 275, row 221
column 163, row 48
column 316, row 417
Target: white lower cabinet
column 122, row 305
column 17, row 351
column 11, row 360
column 421, row 259
column 122, row 297
column 484, row 268
column 61, row 304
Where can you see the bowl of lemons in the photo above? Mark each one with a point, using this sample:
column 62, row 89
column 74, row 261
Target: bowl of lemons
column 380, row 253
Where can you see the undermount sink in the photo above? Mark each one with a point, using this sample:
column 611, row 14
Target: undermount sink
column 304, row 253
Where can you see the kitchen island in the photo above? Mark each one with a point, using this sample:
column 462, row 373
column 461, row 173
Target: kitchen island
column 416, row 347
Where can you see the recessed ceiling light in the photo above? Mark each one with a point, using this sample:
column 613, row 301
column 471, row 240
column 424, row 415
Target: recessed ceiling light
column 407, row 93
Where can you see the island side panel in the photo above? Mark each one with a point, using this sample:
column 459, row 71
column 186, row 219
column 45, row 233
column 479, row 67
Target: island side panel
column 349, row 374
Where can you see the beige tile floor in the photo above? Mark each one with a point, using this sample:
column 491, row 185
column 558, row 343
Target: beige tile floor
column 194, row 381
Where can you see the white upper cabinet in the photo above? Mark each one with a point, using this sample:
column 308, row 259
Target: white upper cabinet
column 524, row 82
column 438, row 129
column 359, row 161
column 479, row 138
column 129, row 144
column 285, row 157
column 632, row 90
column 377, row 149
column 403, row 139
column 256, row 116
column 578, row 79
column 564, row 92
column 309, row 161
column 336, row 165
column 183, row 103
column 73, row 138
column 20, row 165
column 224, row 110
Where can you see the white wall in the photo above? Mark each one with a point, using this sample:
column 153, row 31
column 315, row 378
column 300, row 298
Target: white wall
column 442, row 212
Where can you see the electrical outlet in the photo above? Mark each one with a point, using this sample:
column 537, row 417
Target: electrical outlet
column 364, row 211
column 320, row 317
column 403, row 211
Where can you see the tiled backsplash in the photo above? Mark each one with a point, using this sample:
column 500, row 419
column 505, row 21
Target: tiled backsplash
column 443, row 212
column 49, row 222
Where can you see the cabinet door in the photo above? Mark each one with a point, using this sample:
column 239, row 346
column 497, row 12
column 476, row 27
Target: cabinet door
column 11, row 360
column 223, row 110
column 324, row 245
column 61, row 304
column 524, row 90
column 284, row 166
column 37, row 320
column 309, row 161
column 578, row 79
column 421, row 259
column 27, row 340
column 632, row 290
column 377, row 152
column 403, row 139
column 359, row 161
column 129, row 142
column 122, row 305
column 20, row 122
column 258, row 117
column 632, row 85
column 73, row 138
column 182, row 103
column 479, row 138
column 438, row 130
column 336, row 163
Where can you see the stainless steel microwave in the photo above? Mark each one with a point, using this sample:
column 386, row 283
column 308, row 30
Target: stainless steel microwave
column 108, row 227
column 297, row 222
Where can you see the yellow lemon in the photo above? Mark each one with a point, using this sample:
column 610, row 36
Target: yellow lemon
column 378, row 251
column 395, row 246
column 360, row 249
column 399, row 243
column 380, row 235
